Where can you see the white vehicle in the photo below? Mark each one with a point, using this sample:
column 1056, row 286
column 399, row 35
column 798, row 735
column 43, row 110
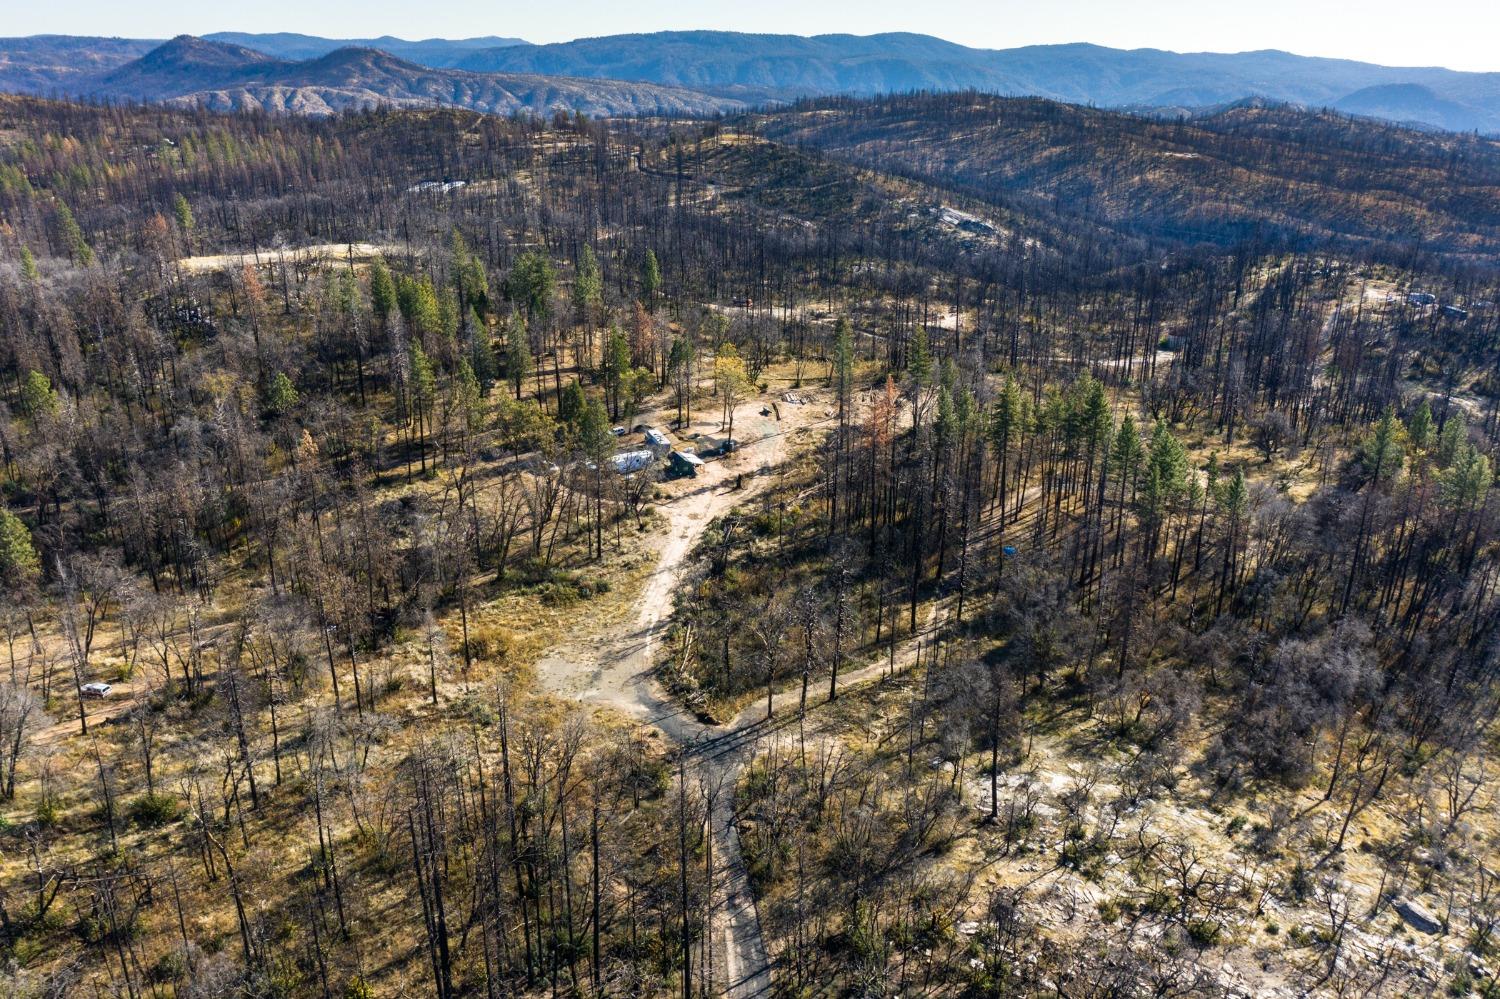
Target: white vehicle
column 96, row 689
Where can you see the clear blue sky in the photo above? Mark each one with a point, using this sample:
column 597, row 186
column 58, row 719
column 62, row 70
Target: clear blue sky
column 1462, row 34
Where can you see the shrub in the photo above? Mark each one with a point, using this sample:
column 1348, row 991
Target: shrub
column 490, row 641
column 477, row 711
column 1204, row 933
column 170, row 967
column 48, row 809
column 1301, row 885
column 152, row 810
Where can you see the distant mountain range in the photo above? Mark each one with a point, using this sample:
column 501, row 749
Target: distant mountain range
column 222, row 76
column 437, row 53
column 760, row 67
column 712, row 70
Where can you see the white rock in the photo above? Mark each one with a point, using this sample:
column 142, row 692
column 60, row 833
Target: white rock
column 1417, row 917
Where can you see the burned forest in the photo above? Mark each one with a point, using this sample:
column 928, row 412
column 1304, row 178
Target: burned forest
column 935, row 545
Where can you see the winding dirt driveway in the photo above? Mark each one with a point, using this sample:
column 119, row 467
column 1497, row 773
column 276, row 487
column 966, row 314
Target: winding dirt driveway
column 611, row 667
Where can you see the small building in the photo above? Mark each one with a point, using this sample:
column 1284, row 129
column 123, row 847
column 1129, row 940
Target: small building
column 684, row 464
column 436, row 186
column 632, row 461
column 964, row 221
column 657, row 441
column 708, row 447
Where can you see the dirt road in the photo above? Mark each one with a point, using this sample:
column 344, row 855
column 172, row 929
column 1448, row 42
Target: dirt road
column 612, row 667
column 322, row 251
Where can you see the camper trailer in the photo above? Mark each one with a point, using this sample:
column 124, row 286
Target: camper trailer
column 632, row 461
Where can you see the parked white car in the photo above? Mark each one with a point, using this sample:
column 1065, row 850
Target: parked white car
column 96, row 689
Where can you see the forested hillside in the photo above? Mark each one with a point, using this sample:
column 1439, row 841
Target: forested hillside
column 1070, row 570
column 1252, row 171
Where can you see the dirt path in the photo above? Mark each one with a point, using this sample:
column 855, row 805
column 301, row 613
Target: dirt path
column 208, row 263
column 101, row 711
column 612, row 668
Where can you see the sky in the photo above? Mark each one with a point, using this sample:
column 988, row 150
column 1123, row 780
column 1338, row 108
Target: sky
column 1460, row 34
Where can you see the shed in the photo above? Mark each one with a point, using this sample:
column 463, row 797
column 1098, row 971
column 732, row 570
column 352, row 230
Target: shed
column 684, row 463
column 708, row 447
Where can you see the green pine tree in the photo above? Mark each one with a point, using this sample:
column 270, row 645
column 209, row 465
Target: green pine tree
column 418, row 301
column 1236, row 495
column 38, row 398
column 1464, row 482
column 470, row 280
column 650, row 280
column 616, row 367
column 919, row 361
column 482, row 353
column 531, row 283
column 281, row 395
column 1451, row 441
column 588, row 288
column 382, row 290
column 680, row 369
column 1126, row 453
column 183, row 212
column 571, row 404
column 1419, row 429
column 1384, row 450
column 72, row 236
column 423, row 380
column 468, row 397
column 518, row 362
column 19, row 564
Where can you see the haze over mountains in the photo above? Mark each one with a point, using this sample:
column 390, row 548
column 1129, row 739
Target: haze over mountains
column 438, row 53
column 223, row 77
column 784, row 66
column 709, row 71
